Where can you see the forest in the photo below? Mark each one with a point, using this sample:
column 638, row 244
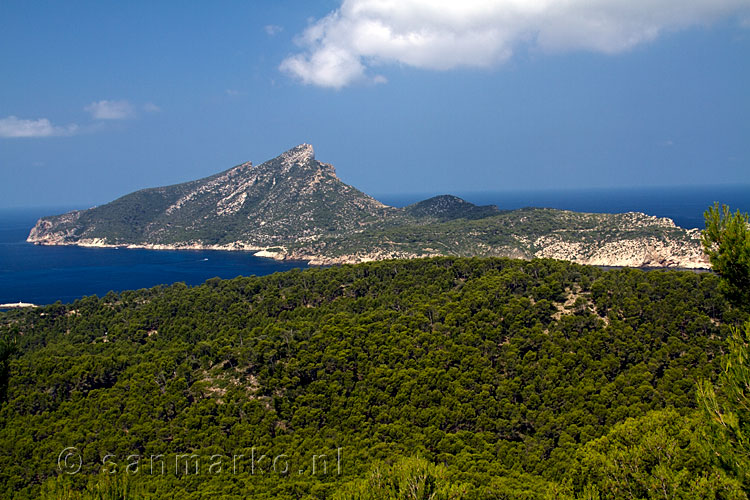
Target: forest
column 441, row 378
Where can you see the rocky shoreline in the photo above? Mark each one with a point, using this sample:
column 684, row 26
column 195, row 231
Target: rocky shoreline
column 644, row 253
column 263, row 252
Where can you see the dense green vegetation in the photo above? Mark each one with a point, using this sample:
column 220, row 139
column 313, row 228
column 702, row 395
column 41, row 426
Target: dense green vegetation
column 437, row 378
column 726, row 406
column 726, row 241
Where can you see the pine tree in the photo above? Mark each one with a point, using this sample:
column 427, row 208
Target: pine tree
column 726, row 241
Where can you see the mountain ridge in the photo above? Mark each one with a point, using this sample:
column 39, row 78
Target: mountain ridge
column 295, row 207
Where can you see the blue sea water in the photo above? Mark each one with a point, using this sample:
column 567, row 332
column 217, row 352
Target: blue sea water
column 46, row 274
column 43, row 275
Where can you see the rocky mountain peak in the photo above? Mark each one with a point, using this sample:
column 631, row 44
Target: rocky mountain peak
column 297, row 155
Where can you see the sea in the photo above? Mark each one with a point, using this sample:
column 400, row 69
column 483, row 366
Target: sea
column 44, row 275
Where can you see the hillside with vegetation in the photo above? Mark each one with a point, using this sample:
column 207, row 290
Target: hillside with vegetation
column 295, row 207
column 426, row 378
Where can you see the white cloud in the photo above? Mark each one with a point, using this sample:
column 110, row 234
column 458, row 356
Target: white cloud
column 446, row 34
column 150, row 107
column 13, row 127
column 110, row 110
column 273, row 29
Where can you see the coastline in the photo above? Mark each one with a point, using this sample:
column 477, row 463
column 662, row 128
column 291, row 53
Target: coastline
column 262, row 252
column 648, row 260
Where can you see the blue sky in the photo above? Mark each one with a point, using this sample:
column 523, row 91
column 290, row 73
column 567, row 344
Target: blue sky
column 98, row 99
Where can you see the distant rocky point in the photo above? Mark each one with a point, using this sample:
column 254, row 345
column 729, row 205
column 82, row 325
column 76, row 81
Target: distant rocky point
column 17, row 305
column 295, row 207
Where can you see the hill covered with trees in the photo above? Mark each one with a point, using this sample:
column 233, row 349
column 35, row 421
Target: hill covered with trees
column 429, row 378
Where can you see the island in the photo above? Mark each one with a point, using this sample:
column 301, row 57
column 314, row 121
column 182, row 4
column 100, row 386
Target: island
column 295, row 207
